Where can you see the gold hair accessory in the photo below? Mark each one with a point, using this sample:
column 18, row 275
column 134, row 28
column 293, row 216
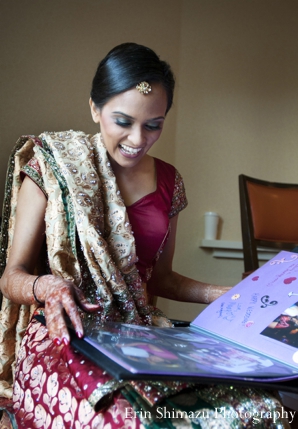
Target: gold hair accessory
column 143, row 87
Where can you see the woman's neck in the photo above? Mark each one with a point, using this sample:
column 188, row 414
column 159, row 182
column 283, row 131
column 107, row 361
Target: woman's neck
column 136, row 182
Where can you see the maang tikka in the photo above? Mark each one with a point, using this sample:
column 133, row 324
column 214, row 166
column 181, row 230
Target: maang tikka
column 143, row 87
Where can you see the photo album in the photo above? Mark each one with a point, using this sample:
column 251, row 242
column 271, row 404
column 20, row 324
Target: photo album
column 248, row 336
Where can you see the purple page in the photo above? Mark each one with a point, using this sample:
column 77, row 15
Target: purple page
column 261, row 312
column 181, row 351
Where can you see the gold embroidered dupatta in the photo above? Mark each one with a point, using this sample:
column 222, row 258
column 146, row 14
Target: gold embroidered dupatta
column 83, row 199
column 14, row 318
column 83, row 196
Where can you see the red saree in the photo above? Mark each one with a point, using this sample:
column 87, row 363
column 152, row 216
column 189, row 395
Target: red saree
column 54, row 387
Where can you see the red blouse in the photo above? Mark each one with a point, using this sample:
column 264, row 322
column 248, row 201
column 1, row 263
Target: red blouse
column 149, row 216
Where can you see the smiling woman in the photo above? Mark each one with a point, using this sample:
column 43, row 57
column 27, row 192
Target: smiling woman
column 106, row 213
column 130, row 124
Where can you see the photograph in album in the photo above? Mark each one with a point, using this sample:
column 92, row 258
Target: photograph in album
column 247, row 336
column 285, row 327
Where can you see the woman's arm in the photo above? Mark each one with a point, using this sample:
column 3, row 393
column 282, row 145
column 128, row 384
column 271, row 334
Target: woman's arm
column 29, row 235
column 166, row 283
column 17, row 280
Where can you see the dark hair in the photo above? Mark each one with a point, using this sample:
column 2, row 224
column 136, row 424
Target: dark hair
column 124, row 67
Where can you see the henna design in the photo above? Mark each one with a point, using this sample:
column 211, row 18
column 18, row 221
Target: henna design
column 62, row 296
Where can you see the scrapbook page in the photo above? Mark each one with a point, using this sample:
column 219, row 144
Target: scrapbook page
column 261, row 312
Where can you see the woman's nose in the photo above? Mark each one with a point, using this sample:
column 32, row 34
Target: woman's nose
column 137, row 136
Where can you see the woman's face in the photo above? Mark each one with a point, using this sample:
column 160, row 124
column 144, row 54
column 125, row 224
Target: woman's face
column 131, row 123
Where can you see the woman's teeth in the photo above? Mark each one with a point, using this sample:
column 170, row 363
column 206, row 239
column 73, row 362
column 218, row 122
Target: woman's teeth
column 129, row 149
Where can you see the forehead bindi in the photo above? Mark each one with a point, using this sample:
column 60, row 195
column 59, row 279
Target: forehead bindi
column 133, row 103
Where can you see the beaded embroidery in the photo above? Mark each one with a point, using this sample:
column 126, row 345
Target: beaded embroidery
column 179, row 201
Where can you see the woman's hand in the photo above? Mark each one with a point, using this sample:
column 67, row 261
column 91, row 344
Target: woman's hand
column 62, row 296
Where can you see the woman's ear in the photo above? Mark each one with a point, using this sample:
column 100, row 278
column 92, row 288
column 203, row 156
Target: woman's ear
column 95, row 112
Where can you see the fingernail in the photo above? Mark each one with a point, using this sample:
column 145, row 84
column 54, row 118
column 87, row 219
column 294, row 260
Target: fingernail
column 57, row 341
column 65, row 341
column 79, row 334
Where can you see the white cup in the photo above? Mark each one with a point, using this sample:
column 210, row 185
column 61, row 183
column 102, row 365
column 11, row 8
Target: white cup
column 211, row 225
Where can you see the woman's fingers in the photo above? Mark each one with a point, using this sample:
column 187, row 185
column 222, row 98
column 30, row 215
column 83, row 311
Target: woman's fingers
column 56, row 324
column 83, row 303
column 62, row 298
column 59, row 300
column 73, row 314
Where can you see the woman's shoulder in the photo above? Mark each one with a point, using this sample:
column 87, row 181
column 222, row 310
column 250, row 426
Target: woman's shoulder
column 160, row 163
column 164, row 170
column 170, row 182
column 167, row 172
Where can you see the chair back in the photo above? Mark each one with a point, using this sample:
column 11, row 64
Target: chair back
column 269, row 217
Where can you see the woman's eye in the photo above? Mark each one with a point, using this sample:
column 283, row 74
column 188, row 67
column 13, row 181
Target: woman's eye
column 154, row 127
column 122, row 123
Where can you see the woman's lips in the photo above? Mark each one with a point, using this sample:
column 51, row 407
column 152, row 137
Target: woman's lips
column 129, row 151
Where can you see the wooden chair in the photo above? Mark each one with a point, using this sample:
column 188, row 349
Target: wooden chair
column 269, row 217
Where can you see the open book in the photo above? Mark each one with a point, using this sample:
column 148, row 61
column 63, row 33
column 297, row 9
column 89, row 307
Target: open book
column 247, row 336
